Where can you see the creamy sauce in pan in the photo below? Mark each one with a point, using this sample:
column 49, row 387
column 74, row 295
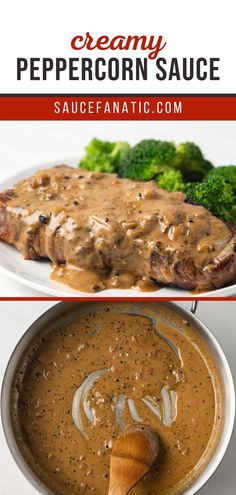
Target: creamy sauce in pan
column 101, row 232
column 113, row 365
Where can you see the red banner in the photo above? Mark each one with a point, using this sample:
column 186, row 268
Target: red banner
column 130, row 107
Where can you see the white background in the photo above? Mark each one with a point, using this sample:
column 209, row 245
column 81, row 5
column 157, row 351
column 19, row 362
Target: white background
column 15, row 319
column 27, row 144
column 46, row 28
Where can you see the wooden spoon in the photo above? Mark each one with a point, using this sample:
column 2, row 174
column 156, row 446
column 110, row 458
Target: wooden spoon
column 134, row 451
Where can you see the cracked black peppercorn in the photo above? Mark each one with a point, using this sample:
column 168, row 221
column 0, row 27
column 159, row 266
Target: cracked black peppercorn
column 96, row 288
column 43, row 219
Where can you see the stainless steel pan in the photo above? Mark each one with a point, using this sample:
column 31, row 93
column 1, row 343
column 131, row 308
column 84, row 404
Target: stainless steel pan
column 61, row 312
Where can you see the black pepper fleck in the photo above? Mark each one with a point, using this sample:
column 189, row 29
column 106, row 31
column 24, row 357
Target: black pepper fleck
column 43, row 219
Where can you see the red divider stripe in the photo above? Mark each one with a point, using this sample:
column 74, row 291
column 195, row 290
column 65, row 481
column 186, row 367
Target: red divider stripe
column 117, row 107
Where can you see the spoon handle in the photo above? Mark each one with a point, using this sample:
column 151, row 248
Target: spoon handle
column 115, row 489
column 134, row 451
column 125, row 473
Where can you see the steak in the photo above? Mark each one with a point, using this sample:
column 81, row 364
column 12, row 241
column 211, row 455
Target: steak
column 115, row 232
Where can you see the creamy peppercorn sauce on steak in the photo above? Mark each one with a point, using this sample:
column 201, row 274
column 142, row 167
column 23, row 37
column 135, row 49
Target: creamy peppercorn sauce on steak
column 101, row 231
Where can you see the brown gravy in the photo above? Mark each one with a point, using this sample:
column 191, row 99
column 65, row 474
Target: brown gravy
column 93, row 281
column 138, row 362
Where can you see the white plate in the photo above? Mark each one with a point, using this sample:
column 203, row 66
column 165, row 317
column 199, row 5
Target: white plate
column 36, row 274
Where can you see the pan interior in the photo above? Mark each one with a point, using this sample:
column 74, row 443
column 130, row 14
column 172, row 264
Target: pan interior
column 92, row 368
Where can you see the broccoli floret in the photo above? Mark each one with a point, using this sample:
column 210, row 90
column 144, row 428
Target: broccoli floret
column 191, row 162
column 103, row 156
column 118, row 151
column 215, row 194
column 228, row 173
column 171, row 180
column 146, row 159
